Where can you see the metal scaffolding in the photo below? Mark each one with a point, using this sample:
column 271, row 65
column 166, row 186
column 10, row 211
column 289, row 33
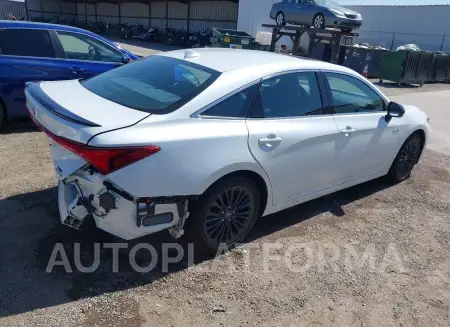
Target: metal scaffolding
column 333, row 37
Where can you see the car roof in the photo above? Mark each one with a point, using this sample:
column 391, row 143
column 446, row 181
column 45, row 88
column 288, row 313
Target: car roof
column 225, row 59
column 47, row 26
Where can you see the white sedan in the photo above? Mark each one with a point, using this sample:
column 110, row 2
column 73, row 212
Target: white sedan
column 208, row 141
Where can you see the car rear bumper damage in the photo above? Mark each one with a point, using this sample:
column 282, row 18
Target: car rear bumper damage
column 89, row 195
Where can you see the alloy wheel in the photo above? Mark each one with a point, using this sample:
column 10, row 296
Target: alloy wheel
column 229, row 216
column 280, row 19
column 408, row 157
column 319, row 21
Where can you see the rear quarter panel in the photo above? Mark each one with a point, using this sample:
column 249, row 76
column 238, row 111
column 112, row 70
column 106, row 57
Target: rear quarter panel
column 275, row 9
column 194, row 154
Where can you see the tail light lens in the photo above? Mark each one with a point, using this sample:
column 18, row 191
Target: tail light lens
column 105, row 160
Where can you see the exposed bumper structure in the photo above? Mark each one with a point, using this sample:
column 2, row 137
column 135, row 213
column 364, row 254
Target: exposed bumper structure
column 86, row 194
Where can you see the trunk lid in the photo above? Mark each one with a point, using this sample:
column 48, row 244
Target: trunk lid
column 67, row 109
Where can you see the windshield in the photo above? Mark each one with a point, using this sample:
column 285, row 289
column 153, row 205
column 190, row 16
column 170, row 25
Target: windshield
column 156, row 84
column 327, row 3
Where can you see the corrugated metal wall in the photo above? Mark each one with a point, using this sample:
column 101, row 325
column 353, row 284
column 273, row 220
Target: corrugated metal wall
column 12, row 7
column 203, row 14
column 50, row 6
column 214, row 10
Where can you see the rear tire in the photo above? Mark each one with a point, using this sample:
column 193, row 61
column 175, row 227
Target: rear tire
column 318, row 21
column 224, row 215
column 406, row 159
column 2, row 116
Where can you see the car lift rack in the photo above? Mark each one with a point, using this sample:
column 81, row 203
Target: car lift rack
column 334, row 37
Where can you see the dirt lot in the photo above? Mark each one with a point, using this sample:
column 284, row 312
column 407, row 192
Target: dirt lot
column 372, row 255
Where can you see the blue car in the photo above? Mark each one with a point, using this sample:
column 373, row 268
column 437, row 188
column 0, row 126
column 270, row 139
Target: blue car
column 31, row 51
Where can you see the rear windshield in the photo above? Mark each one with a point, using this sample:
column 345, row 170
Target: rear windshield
column 156, row 84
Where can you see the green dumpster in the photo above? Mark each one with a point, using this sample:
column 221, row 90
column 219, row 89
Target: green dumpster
column 392, row 65
column 441, row 68
column 224, row 38
column 411, row 67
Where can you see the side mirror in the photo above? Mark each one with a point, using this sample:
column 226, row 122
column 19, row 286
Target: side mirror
column 394, row 110
column 125, row 58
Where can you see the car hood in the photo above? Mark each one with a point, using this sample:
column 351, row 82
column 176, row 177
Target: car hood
column 333, row 5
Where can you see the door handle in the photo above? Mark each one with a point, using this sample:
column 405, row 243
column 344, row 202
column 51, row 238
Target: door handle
column 348, row 130
column 271, row 139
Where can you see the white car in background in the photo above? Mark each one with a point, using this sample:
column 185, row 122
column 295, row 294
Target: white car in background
column 208, row 141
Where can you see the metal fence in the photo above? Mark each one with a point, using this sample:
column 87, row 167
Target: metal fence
column 392, row 40
column 14, row 8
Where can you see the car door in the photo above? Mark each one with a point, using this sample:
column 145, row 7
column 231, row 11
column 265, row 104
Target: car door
column 289, row 8
column 306, row 11
column 86, row 56
column 292, row 134
column 367, row 143
column 26, row 55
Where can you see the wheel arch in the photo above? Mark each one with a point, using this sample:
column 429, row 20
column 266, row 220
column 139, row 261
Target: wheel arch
column 422, row 135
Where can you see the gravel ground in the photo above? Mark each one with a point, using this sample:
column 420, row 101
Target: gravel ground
column 372, row 255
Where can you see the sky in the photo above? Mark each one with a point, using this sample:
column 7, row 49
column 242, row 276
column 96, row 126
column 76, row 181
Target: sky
column 394, row 2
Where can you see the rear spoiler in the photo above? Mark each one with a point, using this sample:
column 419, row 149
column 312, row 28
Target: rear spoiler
column 35, row 91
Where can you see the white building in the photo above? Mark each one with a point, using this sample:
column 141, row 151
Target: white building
column 425, row 25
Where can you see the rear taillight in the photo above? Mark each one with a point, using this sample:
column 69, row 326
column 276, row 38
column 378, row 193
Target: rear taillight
column 105, row 160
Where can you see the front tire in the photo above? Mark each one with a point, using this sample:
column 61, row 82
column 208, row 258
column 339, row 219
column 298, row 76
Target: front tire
column 406, row 159
column 319, row 21
column 225, row 214
column 279, row 19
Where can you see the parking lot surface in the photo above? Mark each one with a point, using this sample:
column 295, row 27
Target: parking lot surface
column 372, row 255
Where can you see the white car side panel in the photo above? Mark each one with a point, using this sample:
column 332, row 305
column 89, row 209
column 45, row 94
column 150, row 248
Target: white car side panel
column 194, row 154
column 414, row 119
column 312, row 159
column 301, row 162
column 366, row 145
column 320, row 193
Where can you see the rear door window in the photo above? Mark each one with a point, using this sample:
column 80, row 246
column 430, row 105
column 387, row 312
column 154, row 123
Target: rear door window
column 235, row 106
column 157, row 84
column 26, row 42
column 289, row 95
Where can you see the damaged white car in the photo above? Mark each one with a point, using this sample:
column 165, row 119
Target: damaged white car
column 210, row 140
